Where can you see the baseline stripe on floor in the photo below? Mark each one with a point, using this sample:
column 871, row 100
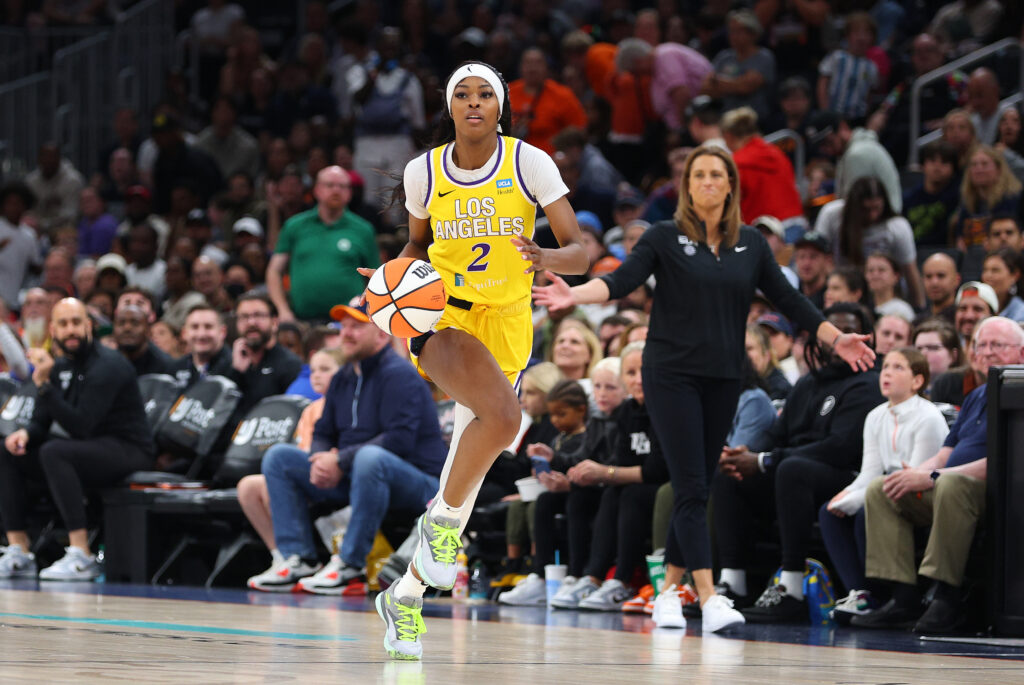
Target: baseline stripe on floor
column 154, row 625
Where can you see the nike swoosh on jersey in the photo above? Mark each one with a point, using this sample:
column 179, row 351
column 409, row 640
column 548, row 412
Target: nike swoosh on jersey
column 741, row 249
column 440, row 194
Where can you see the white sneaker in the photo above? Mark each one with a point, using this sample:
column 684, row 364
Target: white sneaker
column 530, row 591
column 570, row 596
column 668, row 609
column 282, row 575
column 857, row 603
column 17, row 563
column 336, row 578
column 718, row 614
column 74, row 565
column 609, row 597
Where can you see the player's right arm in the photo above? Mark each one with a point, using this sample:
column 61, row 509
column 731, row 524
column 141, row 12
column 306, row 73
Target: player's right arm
column 420, row 237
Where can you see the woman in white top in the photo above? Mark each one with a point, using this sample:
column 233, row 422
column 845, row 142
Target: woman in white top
column 901, row 433
column 865, row 223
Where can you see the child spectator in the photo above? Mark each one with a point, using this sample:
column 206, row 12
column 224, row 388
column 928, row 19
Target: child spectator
column 882, row 274
column 252, row 490
column 929, row 205
column 567, row 409
column 578, row 503
column 623, row 520
column 904, row 431
column 848, row 75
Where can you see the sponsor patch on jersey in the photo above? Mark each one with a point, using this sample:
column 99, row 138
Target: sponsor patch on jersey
column 460, row 280
column 504, row 186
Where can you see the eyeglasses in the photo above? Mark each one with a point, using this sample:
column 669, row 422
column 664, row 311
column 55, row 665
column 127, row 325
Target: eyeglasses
column 995, row 346
column 254, row 316
column 930, row 348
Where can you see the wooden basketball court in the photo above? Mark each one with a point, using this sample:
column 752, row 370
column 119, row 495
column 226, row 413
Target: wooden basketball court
column 71, row 634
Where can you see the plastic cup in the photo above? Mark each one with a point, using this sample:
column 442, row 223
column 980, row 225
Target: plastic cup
column 554, row 574
column 656, row 570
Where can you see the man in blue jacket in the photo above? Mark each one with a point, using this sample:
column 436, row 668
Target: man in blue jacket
column 377, row 445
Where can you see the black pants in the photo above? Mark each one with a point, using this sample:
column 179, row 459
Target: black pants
column 621, row 529
column 68, row 467
column 579, row 505
column 796, row 489
column 691, row 416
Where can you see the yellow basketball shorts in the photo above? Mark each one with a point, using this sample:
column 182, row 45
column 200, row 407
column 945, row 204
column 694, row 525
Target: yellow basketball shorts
column 505, row 330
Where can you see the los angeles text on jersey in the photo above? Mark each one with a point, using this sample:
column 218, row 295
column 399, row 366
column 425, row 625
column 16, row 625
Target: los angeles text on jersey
column 477, row 219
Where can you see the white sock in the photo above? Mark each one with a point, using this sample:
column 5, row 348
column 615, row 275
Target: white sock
column 410, row 586
column 442, row 508
column 275, row 555
column 794, row 582
column 736, row 578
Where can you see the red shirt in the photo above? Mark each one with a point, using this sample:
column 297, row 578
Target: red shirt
column 767, row 183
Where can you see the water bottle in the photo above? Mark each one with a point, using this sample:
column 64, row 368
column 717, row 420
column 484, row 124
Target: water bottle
column 478, row 581
column 461, row 589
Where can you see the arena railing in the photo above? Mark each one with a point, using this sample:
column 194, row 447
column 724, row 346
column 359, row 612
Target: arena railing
column 74, row 100
column 975, row 58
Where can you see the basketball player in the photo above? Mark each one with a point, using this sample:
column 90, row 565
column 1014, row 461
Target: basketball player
column 472, row 202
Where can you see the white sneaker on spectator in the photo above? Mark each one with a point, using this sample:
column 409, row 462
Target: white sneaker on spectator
column 74, row 565
column 530, row 591
column 282, row 575
column 17, row 563
column 668, row 609
column 335, row 578
column 718, row 614
column 857, row 603
column 609, row 597
column 569, row 595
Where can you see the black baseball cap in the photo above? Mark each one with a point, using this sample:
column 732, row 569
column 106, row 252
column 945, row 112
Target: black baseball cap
column 815, row 240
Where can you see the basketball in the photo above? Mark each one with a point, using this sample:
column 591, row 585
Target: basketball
column 405, row 297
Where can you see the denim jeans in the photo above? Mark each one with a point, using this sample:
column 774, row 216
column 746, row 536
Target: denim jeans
column 379, row 479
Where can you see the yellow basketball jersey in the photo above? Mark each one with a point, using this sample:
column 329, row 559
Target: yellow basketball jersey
column 473, row 225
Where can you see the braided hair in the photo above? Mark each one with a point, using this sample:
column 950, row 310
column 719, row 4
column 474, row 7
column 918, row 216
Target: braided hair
column 816, row 355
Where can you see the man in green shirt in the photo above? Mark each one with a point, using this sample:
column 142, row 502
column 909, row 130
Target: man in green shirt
column 321, row 249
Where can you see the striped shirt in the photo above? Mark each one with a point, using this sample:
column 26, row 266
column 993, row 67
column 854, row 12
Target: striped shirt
column 850, row 80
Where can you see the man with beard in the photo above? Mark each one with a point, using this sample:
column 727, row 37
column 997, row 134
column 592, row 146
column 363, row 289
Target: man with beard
column 35, row 319
column 91, row 394
column 259, row 365
column 131, row 333
column 204, row 335
column 941, row 281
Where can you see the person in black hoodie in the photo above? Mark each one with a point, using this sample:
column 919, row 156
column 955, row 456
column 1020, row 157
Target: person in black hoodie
column 811, row 451
column 631, row 480
column 131, row 333
column 88, row 430
column 259, row 366
column 204, row 335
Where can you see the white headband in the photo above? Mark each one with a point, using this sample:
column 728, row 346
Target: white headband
column 484, row 72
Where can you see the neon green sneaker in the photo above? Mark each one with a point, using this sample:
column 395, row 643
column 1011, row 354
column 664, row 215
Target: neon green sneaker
column 404, row 619
column 434, row 560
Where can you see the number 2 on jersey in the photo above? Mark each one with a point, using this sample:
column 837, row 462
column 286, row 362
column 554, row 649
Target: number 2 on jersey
column 477, row 264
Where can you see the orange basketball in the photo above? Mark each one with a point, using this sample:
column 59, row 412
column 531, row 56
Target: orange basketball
column 405, row 297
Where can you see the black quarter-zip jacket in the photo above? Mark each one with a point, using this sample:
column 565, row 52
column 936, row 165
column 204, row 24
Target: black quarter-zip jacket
column 701, row 302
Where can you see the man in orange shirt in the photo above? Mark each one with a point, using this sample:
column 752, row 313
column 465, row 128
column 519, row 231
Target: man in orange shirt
column 541, row 107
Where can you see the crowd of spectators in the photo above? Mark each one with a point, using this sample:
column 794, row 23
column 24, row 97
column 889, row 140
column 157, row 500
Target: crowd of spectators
column 219, row 231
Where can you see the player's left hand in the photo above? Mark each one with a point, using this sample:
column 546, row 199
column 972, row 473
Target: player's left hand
column 531, row 252
column 854, row 350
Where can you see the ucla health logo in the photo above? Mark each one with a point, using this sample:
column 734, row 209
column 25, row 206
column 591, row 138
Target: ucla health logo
column 504, row 186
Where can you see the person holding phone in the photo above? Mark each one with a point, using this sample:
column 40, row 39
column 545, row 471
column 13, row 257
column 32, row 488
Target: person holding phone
column 567, row 405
